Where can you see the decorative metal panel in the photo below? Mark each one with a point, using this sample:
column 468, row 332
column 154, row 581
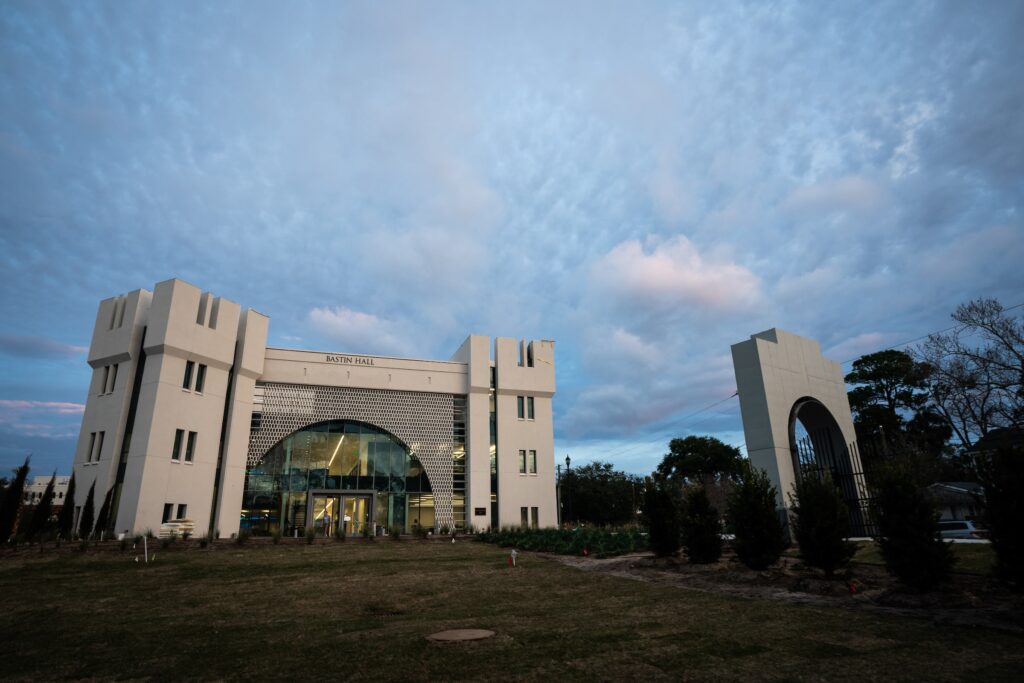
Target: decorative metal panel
column 423, row 421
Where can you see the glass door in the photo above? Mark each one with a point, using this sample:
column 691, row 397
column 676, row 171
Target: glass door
column 356, row 515
column 326, row 514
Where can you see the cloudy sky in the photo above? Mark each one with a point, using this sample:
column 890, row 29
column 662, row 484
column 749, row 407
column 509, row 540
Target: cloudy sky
column 644, row 183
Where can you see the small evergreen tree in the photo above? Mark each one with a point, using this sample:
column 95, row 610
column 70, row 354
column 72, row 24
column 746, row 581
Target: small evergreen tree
column 1002, row 476
column 41, row 515
column 702, row 527
column 821, row 523
column 908, row 530
column 85, row 523
column 12, row 501
column 662, row 510
column 66, row 519
column 754, row 520
column 104, row 513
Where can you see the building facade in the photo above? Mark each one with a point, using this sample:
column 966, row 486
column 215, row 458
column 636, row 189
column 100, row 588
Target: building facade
column 190, row 416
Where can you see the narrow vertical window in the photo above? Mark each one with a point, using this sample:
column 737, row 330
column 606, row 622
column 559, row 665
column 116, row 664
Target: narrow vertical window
column 187, row 382
column 183, row 509
column 113, row 377
column 168, row 509
column 529, row 355
column 92, row 446
column 520, row 410
column 214, row 309
column 535, row 517
column 529, row 407
column 179, row 434
column 524, row 519
column 522, row 462
column 190, row 448
column 99, row 445
column 200, row 378
column 533, row 462
column 106, row 376
column 123, row 303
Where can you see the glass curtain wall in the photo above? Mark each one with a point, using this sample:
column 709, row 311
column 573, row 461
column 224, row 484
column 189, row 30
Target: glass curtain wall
column 336, row 455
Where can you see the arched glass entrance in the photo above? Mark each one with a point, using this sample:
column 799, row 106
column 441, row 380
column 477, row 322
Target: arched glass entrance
column 338, row 476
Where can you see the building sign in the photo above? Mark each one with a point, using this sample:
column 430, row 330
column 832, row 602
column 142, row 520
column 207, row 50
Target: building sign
column 349, row 360
column 480, row 512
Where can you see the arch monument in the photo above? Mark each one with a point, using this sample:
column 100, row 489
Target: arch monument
column 784, row 383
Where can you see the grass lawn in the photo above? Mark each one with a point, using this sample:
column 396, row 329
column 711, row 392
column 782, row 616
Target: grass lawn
column 973, row 558
column 361, row 611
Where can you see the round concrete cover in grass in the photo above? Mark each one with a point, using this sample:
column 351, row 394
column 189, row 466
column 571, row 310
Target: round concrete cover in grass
column 459, row 634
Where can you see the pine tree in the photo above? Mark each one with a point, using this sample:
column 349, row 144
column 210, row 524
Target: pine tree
column 12, row 501
column 41, row 515
column 86, row 521
column 66, row 519
column 101, row 518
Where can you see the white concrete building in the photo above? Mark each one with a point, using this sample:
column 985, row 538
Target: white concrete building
column 34, row 491
column 191, row 416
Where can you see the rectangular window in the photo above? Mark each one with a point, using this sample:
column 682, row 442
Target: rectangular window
column 533, row 462
column 200, row 378
column 520, row 410
column 179, row 436
column 106, row 377
column 187, row 382
column 190, row 448
column 535, row 517
column 183, row 508
column 524, row 518
column 529, row 407
column 99, row 445
column 168, row 509
column 113, row 378
column 522, row 462
column 92, row 446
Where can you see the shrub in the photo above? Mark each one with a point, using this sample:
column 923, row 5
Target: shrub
column 908, row 531
column 276, row 536
column 754, row 520
column 242, row 537
column 1002, row 475
column 396, row 533
column 702, row 527
column 310, row 535
column 821, row 524
column 10, row 501
column 367, row 533
column 204, row 541
column 662, row 511
column 340, row 537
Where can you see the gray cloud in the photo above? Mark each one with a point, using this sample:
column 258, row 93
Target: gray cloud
column 647, row 185
column 38, row 347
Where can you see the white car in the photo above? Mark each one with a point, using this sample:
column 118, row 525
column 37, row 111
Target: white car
column 960, row 529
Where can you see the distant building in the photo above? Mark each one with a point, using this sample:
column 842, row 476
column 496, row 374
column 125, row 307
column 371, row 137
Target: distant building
column 33, row 492
column 190, row 416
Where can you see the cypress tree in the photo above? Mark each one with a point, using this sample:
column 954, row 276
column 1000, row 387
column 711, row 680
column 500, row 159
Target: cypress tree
column 754, row 520
column 908, row 528
column 702, row 527
column 86, row 521
column 12, row 501
column 41, row 515
column 101, row 518
column 822, row 523
column 662, row 509
column 66, row 519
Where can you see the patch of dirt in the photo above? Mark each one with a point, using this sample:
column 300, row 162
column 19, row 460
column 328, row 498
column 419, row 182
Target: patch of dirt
column 965, row 600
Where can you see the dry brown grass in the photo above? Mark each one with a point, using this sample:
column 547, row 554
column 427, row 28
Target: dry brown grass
column 362, row 611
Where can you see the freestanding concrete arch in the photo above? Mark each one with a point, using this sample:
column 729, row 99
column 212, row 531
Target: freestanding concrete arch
column 782, row 378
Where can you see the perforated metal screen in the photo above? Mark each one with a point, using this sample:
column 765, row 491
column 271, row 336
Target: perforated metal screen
column 421, row 420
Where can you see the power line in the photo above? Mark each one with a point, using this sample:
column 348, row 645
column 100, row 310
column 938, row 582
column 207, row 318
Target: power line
column 923, row 336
